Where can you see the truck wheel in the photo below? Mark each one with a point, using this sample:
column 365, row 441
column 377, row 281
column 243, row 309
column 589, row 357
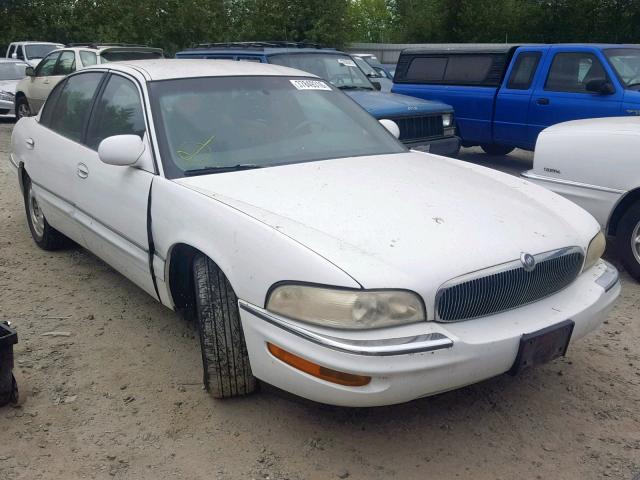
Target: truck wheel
column 45, row 236
column 22, row 108
column 495, row 149
column 628, row 240
column 225, row 361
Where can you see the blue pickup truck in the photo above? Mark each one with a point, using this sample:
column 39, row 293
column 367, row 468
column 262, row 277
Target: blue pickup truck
column 504, row 95
column 424, row 125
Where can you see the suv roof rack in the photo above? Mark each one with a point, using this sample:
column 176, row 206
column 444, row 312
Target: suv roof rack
column 96, row 45
column 260, row 45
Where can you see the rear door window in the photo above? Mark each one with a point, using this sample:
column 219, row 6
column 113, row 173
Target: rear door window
column 523, row 71
column 66, row 63
column 74, row 104
column 572, row 71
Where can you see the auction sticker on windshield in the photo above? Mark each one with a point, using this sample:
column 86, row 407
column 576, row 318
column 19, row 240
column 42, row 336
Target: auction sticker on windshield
column 346, row 62
column 310, row 85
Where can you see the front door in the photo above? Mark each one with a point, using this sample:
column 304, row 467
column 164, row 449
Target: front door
column 563, row 96
column 111, row 201
column 39, row 84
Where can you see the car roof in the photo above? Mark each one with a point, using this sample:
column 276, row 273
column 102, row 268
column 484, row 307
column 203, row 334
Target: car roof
column 444, row 48
column 172, row 68
column 12, row 60
column 31, row 42
column 258, row 50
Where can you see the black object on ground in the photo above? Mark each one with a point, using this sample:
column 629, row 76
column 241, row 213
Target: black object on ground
column 8, row 386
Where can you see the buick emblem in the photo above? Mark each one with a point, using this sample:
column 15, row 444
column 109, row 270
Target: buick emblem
column 528, row 262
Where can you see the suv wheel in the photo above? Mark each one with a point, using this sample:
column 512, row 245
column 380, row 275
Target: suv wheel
column 22, row 108
column 227, row 372
column 495, row 149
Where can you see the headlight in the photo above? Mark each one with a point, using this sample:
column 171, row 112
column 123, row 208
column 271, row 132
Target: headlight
column 447, row 118
column 6, row 96
column 595, row 251
column 345, row 308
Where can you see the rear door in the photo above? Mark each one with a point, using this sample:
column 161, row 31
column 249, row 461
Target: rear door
column 512, row 104
column 112, row 200
column 561, row 95
column 56, row 146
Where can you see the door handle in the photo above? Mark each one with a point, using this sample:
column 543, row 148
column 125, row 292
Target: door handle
column 542, row 101
column 83, row 170
column 30, row 143
column 46, row 82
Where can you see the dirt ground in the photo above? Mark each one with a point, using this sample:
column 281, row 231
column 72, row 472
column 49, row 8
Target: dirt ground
column 121, row 397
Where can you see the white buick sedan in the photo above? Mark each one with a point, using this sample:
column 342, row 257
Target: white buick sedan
column 314, row 251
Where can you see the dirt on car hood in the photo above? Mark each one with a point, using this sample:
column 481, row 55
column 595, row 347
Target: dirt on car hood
column 409, row 219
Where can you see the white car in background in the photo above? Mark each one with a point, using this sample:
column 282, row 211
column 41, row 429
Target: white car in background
column 595, row 163
column 11, row 72
column 31, row 52
column 315, row 252
column 33, row 90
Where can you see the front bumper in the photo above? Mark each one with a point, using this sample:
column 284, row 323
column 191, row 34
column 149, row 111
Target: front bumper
column 447, row 146
column 421, row 359
column 7, row 109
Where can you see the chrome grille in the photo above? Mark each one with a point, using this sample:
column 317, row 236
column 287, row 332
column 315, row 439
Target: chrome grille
column 507, row 286
column 419, row 128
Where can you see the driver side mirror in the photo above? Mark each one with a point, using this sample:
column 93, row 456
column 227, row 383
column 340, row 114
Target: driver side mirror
column 376, row 85
column 121, row 150
column 14, row 55
column 391, row 126
column 29, row 72
column 601, row 86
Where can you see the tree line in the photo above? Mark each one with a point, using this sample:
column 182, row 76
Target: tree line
column 176, row 24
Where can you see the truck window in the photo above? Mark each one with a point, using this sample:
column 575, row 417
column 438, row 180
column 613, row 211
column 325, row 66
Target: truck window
column 523, row 71
column 571, row 71
column 457, row 69
column 427, row 69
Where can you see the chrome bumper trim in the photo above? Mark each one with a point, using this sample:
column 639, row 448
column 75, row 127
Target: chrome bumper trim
column 609, row 278
column 386, row 347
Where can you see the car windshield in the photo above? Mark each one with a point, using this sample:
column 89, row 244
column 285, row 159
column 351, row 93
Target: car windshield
column 338, row 69
column 366, row 68
column 39, row 50
column 626, row 62
column 219, row 124
column 12, row 71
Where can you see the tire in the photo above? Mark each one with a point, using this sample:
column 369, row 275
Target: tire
column 626, row 245
column 225, row 361
column 45, row 236
column 22, row 108
column 495, row 149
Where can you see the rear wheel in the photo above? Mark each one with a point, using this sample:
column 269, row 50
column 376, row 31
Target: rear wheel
column 45, row 236
column 22, row 108
column 628, row 240
column 495, row 149
column 225, row 361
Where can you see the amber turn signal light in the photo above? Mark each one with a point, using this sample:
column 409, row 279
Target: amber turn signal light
column 324, row 373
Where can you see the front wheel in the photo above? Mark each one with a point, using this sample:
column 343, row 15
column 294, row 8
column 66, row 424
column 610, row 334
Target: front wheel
column 22, row 108
column 45, row 236
column 225, row 361
column 628, row 240
column 495, row 149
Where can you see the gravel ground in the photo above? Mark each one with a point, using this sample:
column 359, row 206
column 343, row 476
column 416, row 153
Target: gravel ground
column 121, row 397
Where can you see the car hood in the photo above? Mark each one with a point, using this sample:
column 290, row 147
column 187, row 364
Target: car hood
column 410, row 220
column 598, row 126
column 384, row 105
column 8, row 85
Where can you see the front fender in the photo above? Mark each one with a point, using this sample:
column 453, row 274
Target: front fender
column 252, row 255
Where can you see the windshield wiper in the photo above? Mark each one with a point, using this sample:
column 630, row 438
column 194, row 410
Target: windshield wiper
column 353, row 87
column 231, row 168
